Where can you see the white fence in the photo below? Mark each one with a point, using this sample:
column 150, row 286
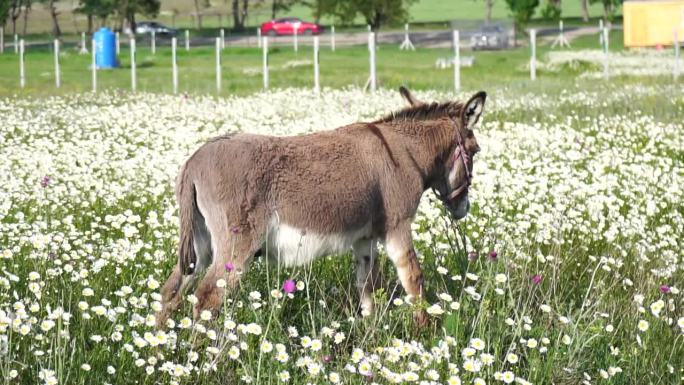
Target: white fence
column 266, row 44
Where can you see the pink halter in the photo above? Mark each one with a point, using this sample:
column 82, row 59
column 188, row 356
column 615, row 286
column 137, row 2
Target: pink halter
column 460, row 153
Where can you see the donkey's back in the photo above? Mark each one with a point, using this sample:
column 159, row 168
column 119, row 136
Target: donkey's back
column 296, row 197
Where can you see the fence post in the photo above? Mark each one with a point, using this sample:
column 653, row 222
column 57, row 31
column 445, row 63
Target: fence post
column 296, row 34
column 58, row 80
column 675, row 74
column 16, row 43
column 218, row 64
column 332, row 38
column 174, row 65
column 94, row 65
column 259, row 37
column 560, row 40
column 457, row 61
column 133, row 77
column 153, row 42
column 406, row 44
column 187, row 40
column 264, row 47
column 317, row 84
column 118, row 45
column 533, row 57
column 606, row 45
column 601, row 32
column 22, row 72
column 223, row 39
column 84, row 47
column 371, row 51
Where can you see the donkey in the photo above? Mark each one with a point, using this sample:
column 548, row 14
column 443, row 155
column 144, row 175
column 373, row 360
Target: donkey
column 319, row 194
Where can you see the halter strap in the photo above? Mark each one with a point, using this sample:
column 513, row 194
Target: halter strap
column 460, row 153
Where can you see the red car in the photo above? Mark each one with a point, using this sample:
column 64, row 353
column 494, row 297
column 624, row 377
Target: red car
column 287, row 25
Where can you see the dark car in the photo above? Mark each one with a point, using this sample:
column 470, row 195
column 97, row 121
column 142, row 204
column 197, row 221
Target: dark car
column 288, row 25
column 146, row 28
column 490, row 37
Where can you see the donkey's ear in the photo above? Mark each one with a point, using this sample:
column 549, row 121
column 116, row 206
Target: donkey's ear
column 473, row 109
column 406, row 94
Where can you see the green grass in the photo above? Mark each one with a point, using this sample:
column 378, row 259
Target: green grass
column 241, row 69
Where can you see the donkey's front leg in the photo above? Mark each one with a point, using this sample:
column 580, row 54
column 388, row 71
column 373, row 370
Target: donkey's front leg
column 400, row 250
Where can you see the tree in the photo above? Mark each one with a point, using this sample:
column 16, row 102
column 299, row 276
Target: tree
column 14, row 13
column 552, row 10
column 128, row 8
column 610, row 8
column 27, row 10
column 376, row 12
column 96, row 8
column 522, row 11
column 239, row 14
column 319, row 8
column 489, row 4
column 4, row 12
column 585, row 11
column 52, row 8
column 199, row 6
column 281, row 5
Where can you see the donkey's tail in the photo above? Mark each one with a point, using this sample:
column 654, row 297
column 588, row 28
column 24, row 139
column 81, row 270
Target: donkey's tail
column 187, row 202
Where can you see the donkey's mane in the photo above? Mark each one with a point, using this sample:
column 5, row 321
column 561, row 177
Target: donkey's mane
column 424, row 111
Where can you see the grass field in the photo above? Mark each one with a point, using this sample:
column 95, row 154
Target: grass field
column 241, row 72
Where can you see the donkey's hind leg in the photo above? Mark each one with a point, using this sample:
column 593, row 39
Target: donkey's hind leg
column 232, row 254
column 367, row 273
column 177, row 283
column 172, row 294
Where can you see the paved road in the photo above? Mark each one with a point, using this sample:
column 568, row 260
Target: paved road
column 426, row 39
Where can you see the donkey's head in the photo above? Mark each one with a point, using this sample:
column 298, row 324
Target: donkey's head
column 454, row 174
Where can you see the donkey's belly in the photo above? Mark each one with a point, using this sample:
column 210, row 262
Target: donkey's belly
column 292, row 246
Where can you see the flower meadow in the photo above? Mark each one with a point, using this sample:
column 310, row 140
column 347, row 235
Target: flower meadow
column 568, row 269
column 641, row 63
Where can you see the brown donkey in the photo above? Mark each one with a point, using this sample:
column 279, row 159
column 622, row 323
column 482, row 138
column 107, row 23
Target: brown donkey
column 307, row 196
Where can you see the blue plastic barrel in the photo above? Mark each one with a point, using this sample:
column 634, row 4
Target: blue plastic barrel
column 105, row 44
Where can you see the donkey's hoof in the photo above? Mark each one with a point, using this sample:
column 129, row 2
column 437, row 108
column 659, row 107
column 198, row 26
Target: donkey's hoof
column 421, row 318
column 202, row 312
column 196, row 311
column 160, row 320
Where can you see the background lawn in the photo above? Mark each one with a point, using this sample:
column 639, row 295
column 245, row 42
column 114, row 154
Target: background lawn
column 241, row 69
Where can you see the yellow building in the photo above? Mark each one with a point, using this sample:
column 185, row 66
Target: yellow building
column 648, row 23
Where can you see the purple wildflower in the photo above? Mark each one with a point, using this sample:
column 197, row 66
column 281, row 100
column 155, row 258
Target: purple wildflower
column 289, row 286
